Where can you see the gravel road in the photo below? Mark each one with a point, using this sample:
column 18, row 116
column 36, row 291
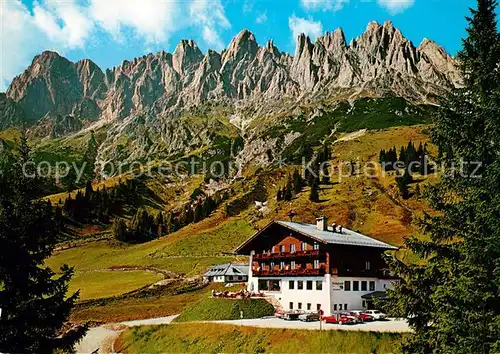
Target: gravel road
column 391, row 325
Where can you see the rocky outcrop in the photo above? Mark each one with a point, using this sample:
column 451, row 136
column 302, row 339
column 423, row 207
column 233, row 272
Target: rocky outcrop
column 380, row 61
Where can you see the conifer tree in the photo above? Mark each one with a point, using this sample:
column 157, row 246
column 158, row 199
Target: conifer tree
column 314, row 193
column 452, row 299
column 34, row 300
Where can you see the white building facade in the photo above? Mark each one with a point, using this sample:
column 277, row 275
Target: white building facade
column 310, row 267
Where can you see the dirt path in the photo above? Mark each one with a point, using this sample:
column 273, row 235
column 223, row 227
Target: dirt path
column 101, row 339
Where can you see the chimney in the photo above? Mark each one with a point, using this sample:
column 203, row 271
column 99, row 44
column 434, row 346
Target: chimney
column 321, row 224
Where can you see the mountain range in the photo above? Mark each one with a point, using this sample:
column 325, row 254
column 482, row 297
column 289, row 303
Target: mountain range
column 247, row 92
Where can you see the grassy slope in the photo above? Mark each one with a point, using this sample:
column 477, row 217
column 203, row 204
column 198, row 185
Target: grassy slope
column 101, row 284
column 357, row 202
column 213, row 309
column 207, row 244
column 366, row 204
column 210, row 338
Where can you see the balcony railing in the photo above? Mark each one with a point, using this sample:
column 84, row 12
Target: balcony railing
column 269, row 255
column 288, row 272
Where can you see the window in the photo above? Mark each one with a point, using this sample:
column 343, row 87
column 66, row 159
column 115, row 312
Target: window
column 291, row 284
column 367, row 265
column 316, row 264
column 319, row 285
column 345, row 306
column 300, row 284
column 299, row 305
column 334, row 307
column 363, row 303
column 303, row 246
column 292, row 248
column 272, row 266
column 282, row 248
column 269, row 285
column 372, row 285
column 240, row 277
column 308, row 307
column 318, row 307
column 262, row 266
column 290, row 306
column 347, row 285
column 230, row 277
column 282, row 265
column 316, row 246
column 355, row 285
column 292, row 264
column 309, row 285
column 340, row 307
column 363, row 285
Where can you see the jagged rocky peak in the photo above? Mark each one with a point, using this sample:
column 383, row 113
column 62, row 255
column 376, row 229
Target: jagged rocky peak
column 211, row 61
column 381, row 61
column 335, row 40
column 243, row 44
column 186, row 56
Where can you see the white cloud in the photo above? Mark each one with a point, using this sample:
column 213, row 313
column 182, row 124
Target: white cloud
column 153, row 20
column 311, row 28
column 64, row 22
column 396, row 6
column 323, row 5
column 261, row 18
column 209, row 16
column 62, row 25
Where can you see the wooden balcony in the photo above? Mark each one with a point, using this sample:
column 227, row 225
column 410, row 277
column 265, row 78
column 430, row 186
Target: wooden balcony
column 289, row 272
column 280, row 255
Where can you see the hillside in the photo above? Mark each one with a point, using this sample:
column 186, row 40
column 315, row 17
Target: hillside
column 185, row 144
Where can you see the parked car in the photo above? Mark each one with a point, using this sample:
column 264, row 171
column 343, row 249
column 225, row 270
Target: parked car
column 362, row 315
column 340, row 319
column 308, row 317
column 291, row 316
column 376, row 314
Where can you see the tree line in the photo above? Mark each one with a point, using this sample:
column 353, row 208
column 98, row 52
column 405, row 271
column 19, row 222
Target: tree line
column 415, row 160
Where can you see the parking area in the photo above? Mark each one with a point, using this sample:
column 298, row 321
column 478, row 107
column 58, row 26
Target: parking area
column 390, row 325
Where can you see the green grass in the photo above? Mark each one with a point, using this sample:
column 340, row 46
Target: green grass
column 221, row 338
column 214, row 309
column 188, row 251
column 158, row 302
column 100, row 284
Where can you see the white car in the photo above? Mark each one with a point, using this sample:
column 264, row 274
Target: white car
column 376, row 314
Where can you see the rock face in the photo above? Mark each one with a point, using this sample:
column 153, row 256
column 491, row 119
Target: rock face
column 380, row 61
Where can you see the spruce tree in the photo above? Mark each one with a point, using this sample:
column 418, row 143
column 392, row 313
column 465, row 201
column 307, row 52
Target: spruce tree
column 34, row 300
column 452, row 298
column 314, row 193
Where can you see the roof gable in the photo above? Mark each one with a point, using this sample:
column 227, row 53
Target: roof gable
column 346, row 238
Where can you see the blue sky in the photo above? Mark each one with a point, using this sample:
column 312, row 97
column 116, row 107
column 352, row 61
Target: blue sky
column 109, row 31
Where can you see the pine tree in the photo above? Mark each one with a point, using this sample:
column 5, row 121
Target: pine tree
column 452, row 299
column 297, row 182
column 279, row 196
column 314, row 193
column 402, row 183
column 33, row 298
column 120, row 231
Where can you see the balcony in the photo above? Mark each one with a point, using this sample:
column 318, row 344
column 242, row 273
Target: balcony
column 298, row 254
column 289, row 272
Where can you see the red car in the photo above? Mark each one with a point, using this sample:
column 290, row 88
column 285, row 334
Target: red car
column 339, row 319
column 362, row 316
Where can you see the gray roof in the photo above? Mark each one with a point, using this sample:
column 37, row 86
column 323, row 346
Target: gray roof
column 227, row 269
column 347, row 237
